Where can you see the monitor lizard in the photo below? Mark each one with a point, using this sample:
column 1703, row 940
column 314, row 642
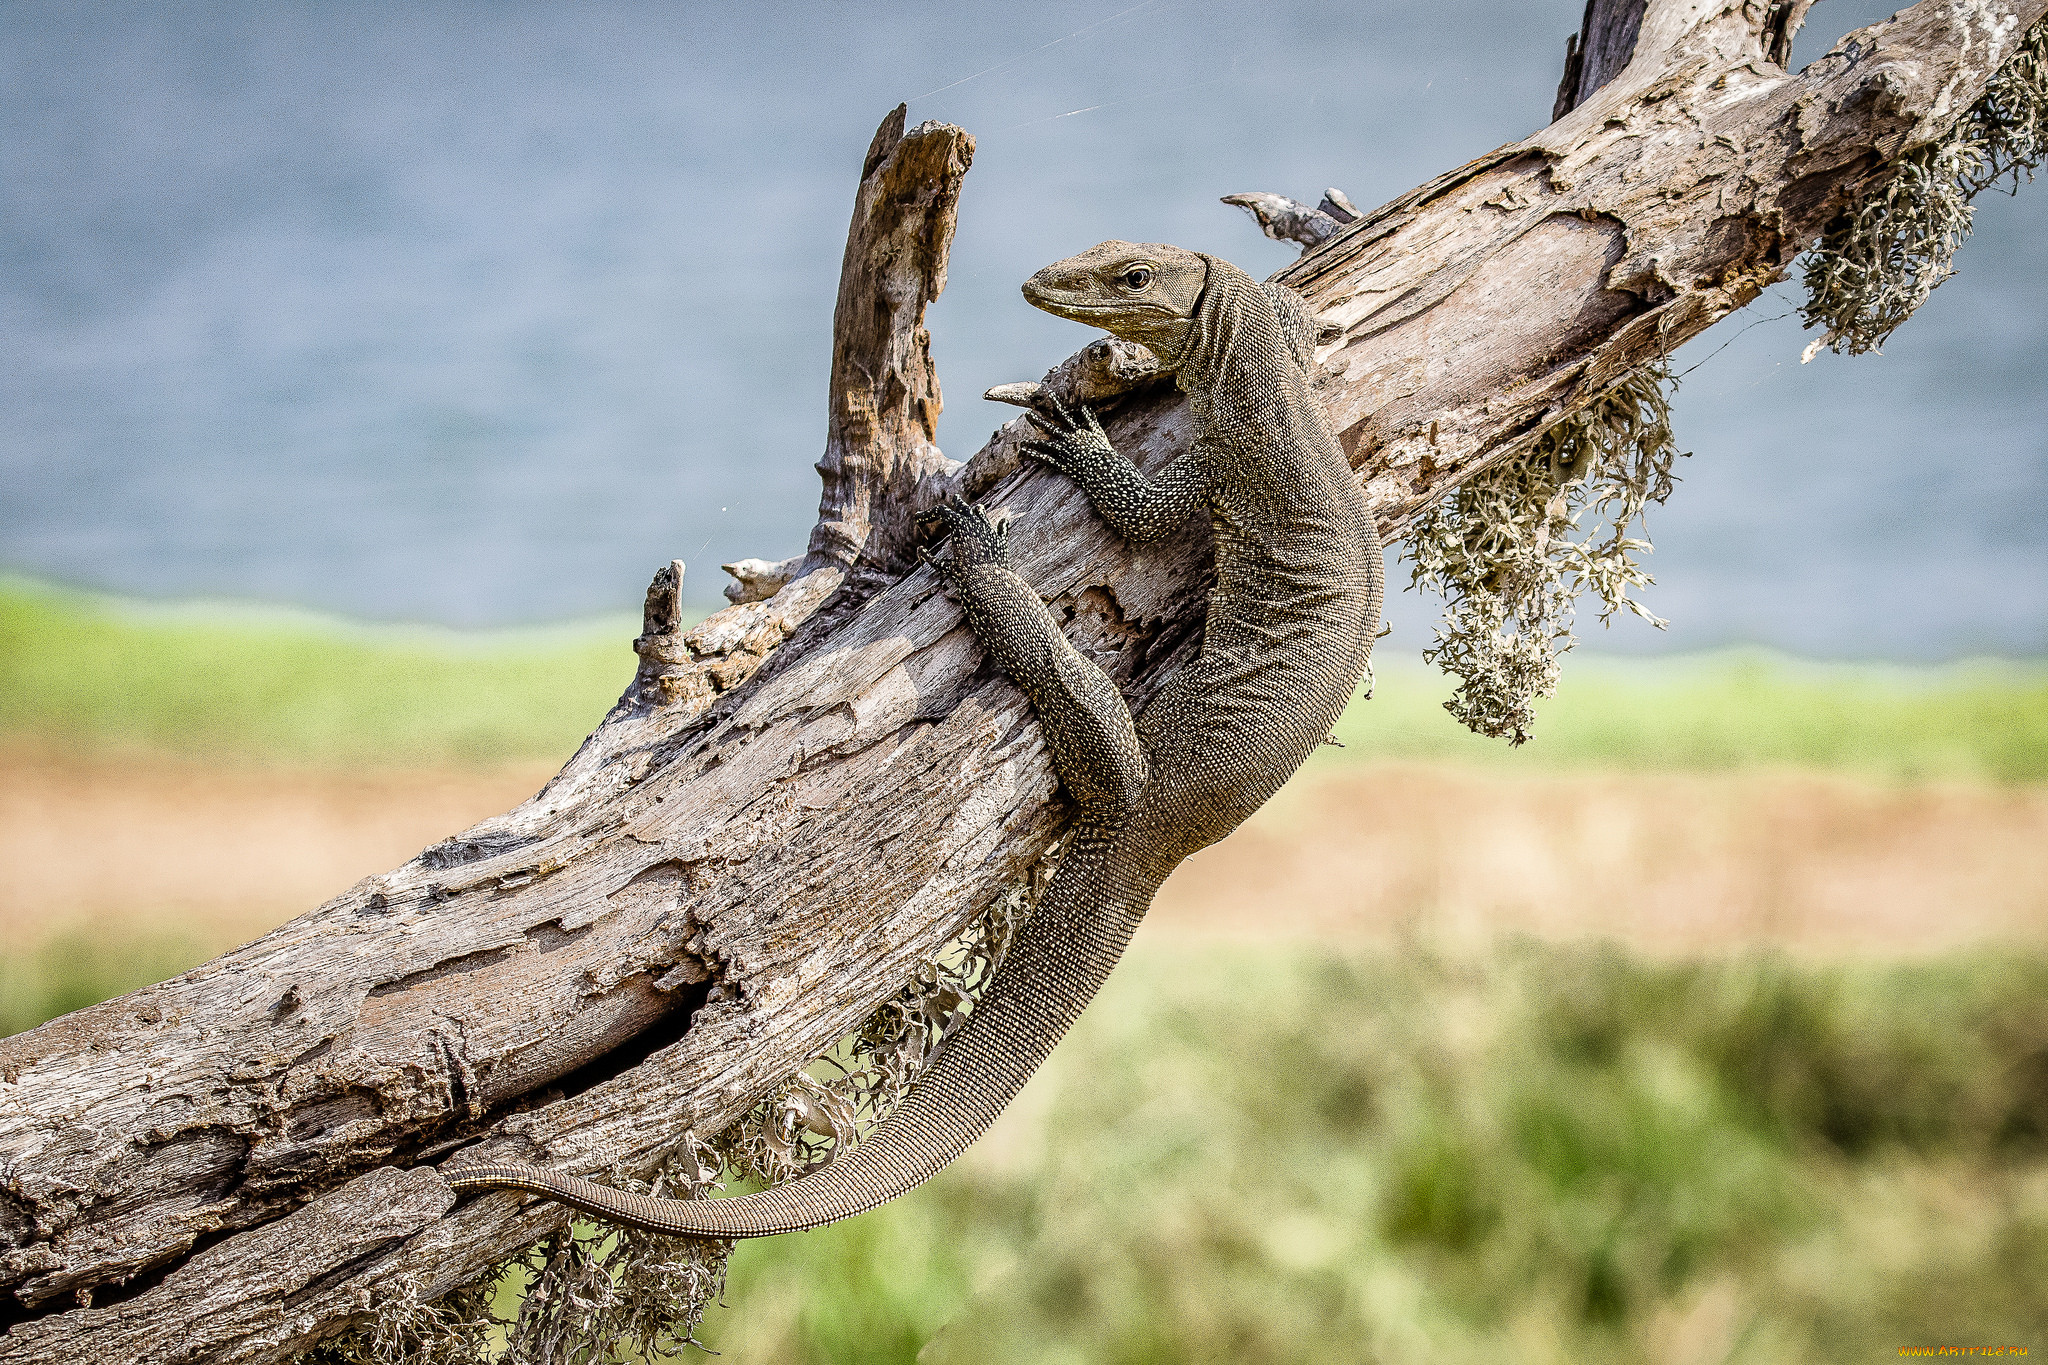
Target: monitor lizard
column 1290, row 624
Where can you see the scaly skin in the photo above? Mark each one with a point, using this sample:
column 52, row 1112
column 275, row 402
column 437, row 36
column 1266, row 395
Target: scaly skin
column 1291, row 621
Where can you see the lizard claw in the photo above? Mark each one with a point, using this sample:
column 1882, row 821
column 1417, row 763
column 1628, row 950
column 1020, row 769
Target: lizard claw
column 975, row 538
column 1045, row 452
column 1074, row 441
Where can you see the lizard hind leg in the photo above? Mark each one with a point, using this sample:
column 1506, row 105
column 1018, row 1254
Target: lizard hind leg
column 1089, row 733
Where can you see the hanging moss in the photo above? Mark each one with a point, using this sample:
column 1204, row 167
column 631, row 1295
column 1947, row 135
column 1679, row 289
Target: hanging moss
column 1505, row 550
column 456, row 1329
column 1882, row 258
column 596, row 1294
column 588, row 1295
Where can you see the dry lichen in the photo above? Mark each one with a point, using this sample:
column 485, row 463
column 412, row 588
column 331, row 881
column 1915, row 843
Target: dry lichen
column 593, row 1293
column 1504, row 547
column 1505, row 550
column 456, row 1329
column 597, row 1294
column 1880, row 259
column 589, row 1295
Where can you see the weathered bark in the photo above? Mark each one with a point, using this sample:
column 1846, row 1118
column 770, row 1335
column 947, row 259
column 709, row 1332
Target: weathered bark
column 738, row 866
column 881, row 465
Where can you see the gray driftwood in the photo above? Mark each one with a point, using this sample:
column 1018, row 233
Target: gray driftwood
column 744, row 860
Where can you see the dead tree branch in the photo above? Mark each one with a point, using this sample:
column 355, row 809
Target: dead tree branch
column 743, row 861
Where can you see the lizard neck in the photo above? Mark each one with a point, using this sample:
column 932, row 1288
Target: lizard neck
column 1234, row 365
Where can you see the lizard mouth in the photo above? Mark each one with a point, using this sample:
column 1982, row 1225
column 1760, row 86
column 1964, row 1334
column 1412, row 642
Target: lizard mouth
column 1041, row 297
column 1051, row 300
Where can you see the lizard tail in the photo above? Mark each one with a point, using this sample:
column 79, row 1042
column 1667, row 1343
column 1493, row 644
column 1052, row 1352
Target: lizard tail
column 1059, row 960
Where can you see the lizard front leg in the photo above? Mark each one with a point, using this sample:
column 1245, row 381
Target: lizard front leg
column 1139, row 508
column 1088, row 728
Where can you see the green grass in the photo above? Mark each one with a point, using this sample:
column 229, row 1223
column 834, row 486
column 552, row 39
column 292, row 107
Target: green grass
column 1544, row 1154
column 100, row 673
column 1538, row 1154
column 83, row 964
column 1983, row 721
column 235, row 683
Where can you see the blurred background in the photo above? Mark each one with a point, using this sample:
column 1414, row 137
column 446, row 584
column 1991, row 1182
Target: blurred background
column 360, row 362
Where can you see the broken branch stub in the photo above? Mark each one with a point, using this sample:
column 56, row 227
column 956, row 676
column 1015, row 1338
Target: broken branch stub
column 1290, row 220
column 719, row 886
column 881, row 467
column 757, row 580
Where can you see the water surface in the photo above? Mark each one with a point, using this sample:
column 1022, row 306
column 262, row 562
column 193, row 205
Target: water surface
column 477, row 313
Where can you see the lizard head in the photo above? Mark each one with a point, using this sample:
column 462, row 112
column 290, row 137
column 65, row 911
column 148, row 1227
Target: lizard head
column 1142, row 292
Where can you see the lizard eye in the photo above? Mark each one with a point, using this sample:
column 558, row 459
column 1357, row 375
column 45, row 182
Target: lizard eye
column 1137, row 277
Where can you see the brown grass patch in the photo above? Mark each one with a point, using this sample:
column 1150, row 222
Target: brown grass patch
column 1666, row 863
column 220, row 853
column 1670, row 864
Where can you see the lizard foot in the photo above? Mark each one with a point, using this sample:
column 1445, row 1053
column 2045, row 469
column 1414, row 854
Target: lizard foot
column 975, row 538
column 1075, row 441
